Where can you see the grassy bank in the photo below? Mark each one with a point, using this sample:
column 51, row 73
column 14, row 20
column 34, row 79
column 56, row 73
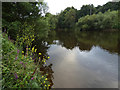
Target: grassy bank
column 19, row 69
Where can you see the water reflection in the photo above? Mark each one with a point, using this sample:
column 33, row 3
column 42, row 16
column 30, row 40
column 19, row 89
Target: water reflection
column 85, row 40
column 81, row 60
column 88, row 69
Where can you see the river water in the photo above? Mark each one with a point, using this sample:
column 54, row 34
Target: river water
column 83, row 59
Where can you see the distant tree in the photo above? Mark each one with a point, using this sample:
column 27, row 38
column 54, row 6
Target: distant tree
column 86, row 10
column 100, row 21
column 108, row 6
column 70, row 17
column 67, row 18
column 52, row 20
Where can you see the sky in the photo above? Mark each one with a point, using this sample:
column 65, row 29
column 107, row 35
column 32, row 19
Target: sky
column 55, row 6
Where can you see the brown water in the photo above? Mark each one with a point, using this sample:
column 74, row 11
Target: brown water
column 84, row 59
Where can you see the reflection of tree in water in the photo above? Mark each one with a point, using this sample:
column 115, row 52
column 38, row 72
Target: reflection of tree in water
column 68, row 39
column 48, row 70
column 51, row 37
column 86, row 39
column 83, row 46
column 105, row 40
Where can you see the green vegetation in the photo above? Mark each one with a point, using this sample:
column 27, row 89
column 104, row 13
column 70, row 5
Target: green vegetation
column 21, row 62
column 52, row 20
column 87, row 18
column 19, row 69
column 90, row 17
column 17, row 13
column 66, row 19
column 26, row 25
column 100, row 21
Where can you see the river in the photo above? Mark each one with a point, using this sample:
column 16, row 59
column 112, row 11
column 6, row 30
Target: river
column 83, row 59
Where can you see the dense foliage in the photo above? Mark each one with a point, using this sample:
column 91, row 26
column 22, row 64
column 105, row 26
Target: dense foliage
column 90, row 9
column 67, row 18
column 100, row 21
column 90, row 17
column 52, row 20
column 17, row 13
column 19, row 69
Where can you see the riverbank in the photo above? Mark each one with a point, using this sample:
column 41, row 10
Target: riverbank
column 19, row 69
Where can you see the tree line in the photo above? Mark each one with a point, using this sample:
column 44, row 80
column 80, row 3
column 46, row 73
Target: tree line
column 88, row 17
column 18, row 16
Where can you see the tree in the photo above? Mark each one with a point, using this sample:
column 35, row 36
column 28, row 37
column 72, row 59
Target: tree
column 86, row 10
column 99, row 21
column 110, row 5
column 67, row 18
column 52, row 20
column 16, row 13
column 70, row 17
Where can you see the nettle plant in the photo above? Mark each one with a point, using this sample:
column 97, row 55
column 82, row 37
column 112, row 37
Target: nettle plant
column 18, row 67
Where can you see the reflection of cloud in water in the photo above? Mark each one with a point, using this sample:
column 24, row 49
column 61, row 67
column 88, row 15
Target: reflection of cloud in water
column 101, row 62
column 75, row 68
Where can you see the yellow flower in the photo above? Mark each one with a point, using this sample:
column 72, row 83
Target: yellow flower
column 32, row 49
column 45, row 85
column 48, row 57
column 39, row 53
column 48, row 85
column 42, row 76
column 22, row 51
column 35, row 50
column 46, row 79
column 32, row 39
